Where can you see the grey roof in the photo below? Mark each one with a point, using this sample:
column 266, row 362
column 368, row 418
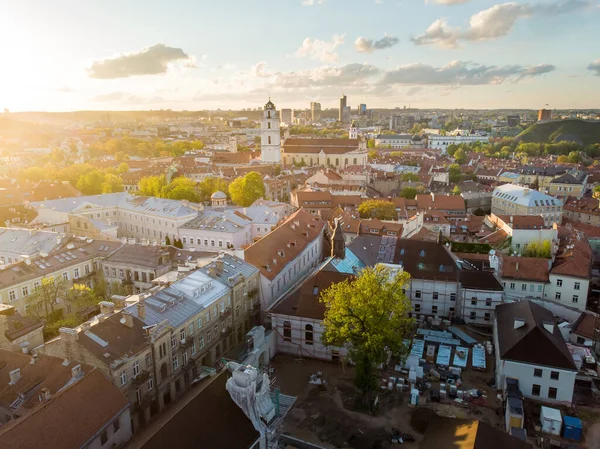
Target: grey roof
column 218, row 195
column 27, row 242
column 567, row 178
column 182, row 300
column 231, row 219
column 59, row 259
column 122, row 200
column 232, row 267
column 139, row 255
column 525, row 196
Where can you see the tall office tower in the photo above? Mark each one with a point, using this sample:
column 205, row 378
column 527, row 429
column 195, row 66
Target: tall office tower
column 343, row 103
column 287, row 116
column 362, row 109
column 315, row 111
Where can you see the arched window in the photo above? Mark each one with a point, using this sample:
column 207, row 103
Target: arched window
column 268, row 114
column 345, row 161
column 308, row 335
column 354, row 161
column 337, row 162
column 269, row 138
column 269, row 125
column 328, row 161
column 287, row 331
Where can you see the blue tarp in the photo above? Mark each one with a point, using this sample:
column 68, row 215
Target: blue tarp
column 432, row 333
column 444, row 353
column 443, row 341
column 458, row 360
column 417, row 348
column 464, row 337
column 478, row 358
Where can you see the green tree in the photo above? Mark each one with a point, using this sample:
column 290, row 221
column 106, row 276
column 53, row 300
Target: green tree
column 542, row 250
column 417, row 128
column 452, row 148
column 167, row 241
column 151, row 185
column 121, row 156
column 33, row 174
column 180, row 188
column 384, row 210
column 46, row 295
column 82, row 297
column 456, row 190
column 208, row 186
column 122, row 168
column 409, row 193
column 455, row 173
column 245, row 190
column 410, row 177
column 91, row 183
column 372, row 154
column 460, row 156
column 112, row 183
column 370, row 314
column 371, row 143
column 178, row 244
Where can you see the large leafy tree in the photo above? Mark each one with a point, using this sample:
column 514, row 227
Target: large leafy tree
column 91, row 182
column 245, row 190
column 369, row 314
column 151, row 185
column 45, row 297
column 112, row 183
column 542, row 250
column 180, row 188
column 208, row 186
column 384, row 210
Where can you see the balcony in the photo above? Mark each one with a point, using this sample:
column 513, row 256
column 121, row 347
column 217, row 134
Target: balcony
column 142, row 377
column 225, row 314
column 226, row 331
column 186, row 342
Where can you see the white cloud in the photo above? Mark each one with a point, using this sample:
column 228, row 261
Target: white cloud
column 312, row 2
column 494, row 22
column 321, row 50
column 595, row 67
column 149, row 61
column 364, row 45
column 447, row 2
column 460, row 73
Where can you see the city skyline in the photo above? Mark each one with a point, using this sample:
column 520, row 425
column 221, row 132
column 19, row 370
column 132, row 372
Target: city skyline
column 475, row 54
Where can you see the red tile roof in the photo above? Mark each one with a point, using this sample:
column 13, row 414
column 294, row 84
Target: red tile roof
column 282, row 245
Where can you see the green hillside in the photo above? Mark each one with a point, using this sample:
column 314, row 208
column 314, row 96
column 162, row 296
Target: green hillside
column 579, row 131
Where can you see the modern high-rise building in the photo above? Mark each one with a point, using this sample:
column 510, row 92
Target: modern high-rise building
column 362, row 109
column 544, row 114
column 270, row 140
column 287, row 116
column 315, row 111
column 343, row 104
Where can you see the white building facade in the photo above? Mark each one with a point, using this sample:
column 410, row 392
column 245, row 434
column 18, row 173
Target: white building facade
column 270, row 139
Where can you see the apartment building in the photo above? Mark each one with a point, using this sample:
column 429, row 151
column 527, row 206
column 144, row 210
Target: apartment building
column 568, row 185
column 74, row 261
column 394, row 140
column 286, row 254
column 219, row 228
column 584, row 210
column 530, row 348
column 511, row 199
column 52, row 402
column 438, row 142
column 116, row 215
column 132, row 268
column 523, row 230
column 481, row 293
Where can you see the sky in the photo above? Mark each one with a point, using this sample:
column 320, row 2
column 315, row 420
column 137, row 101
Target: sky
column 64, row 55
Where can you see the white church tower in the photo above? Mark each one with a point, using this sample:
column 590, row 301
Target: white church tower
column 270, row 140
column 353, row 134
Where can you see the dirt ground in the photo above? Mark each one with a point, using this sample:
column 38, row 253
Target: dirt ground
column 326, row 415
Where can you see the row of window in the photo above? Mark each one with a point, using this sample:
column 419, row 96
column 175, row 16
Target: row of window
column 137, row 275
column 220, row 243
column 25, row 291
column 536, row 391
column 434, row 295
column 135, row 370
column 308, row 333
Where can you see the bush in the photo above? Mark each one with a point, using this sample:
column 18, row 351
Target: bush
column 473, row 248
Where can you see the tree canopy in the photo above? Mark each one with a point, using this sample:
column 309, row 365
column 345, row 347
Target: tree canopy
column 245, row 190
column 542, row 250
column 384, row 210
column 369, row 314
column 409, row 193
column 180, row 188
column 112, row 183
column 208, row 186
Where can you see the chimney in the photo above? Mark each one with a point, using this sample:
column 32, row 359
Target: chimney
column 511, row 218
column 44, row 395
column 548, row 326
column 76, row 372
column 432, row 197
column 107, row 307
column 15, row 375
column 24, row 347
column 519, row 323
column 338, row 244
column 34, row 358
column 517, row 266
column 141, row 309
column 127, row 320
column 219, row 265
